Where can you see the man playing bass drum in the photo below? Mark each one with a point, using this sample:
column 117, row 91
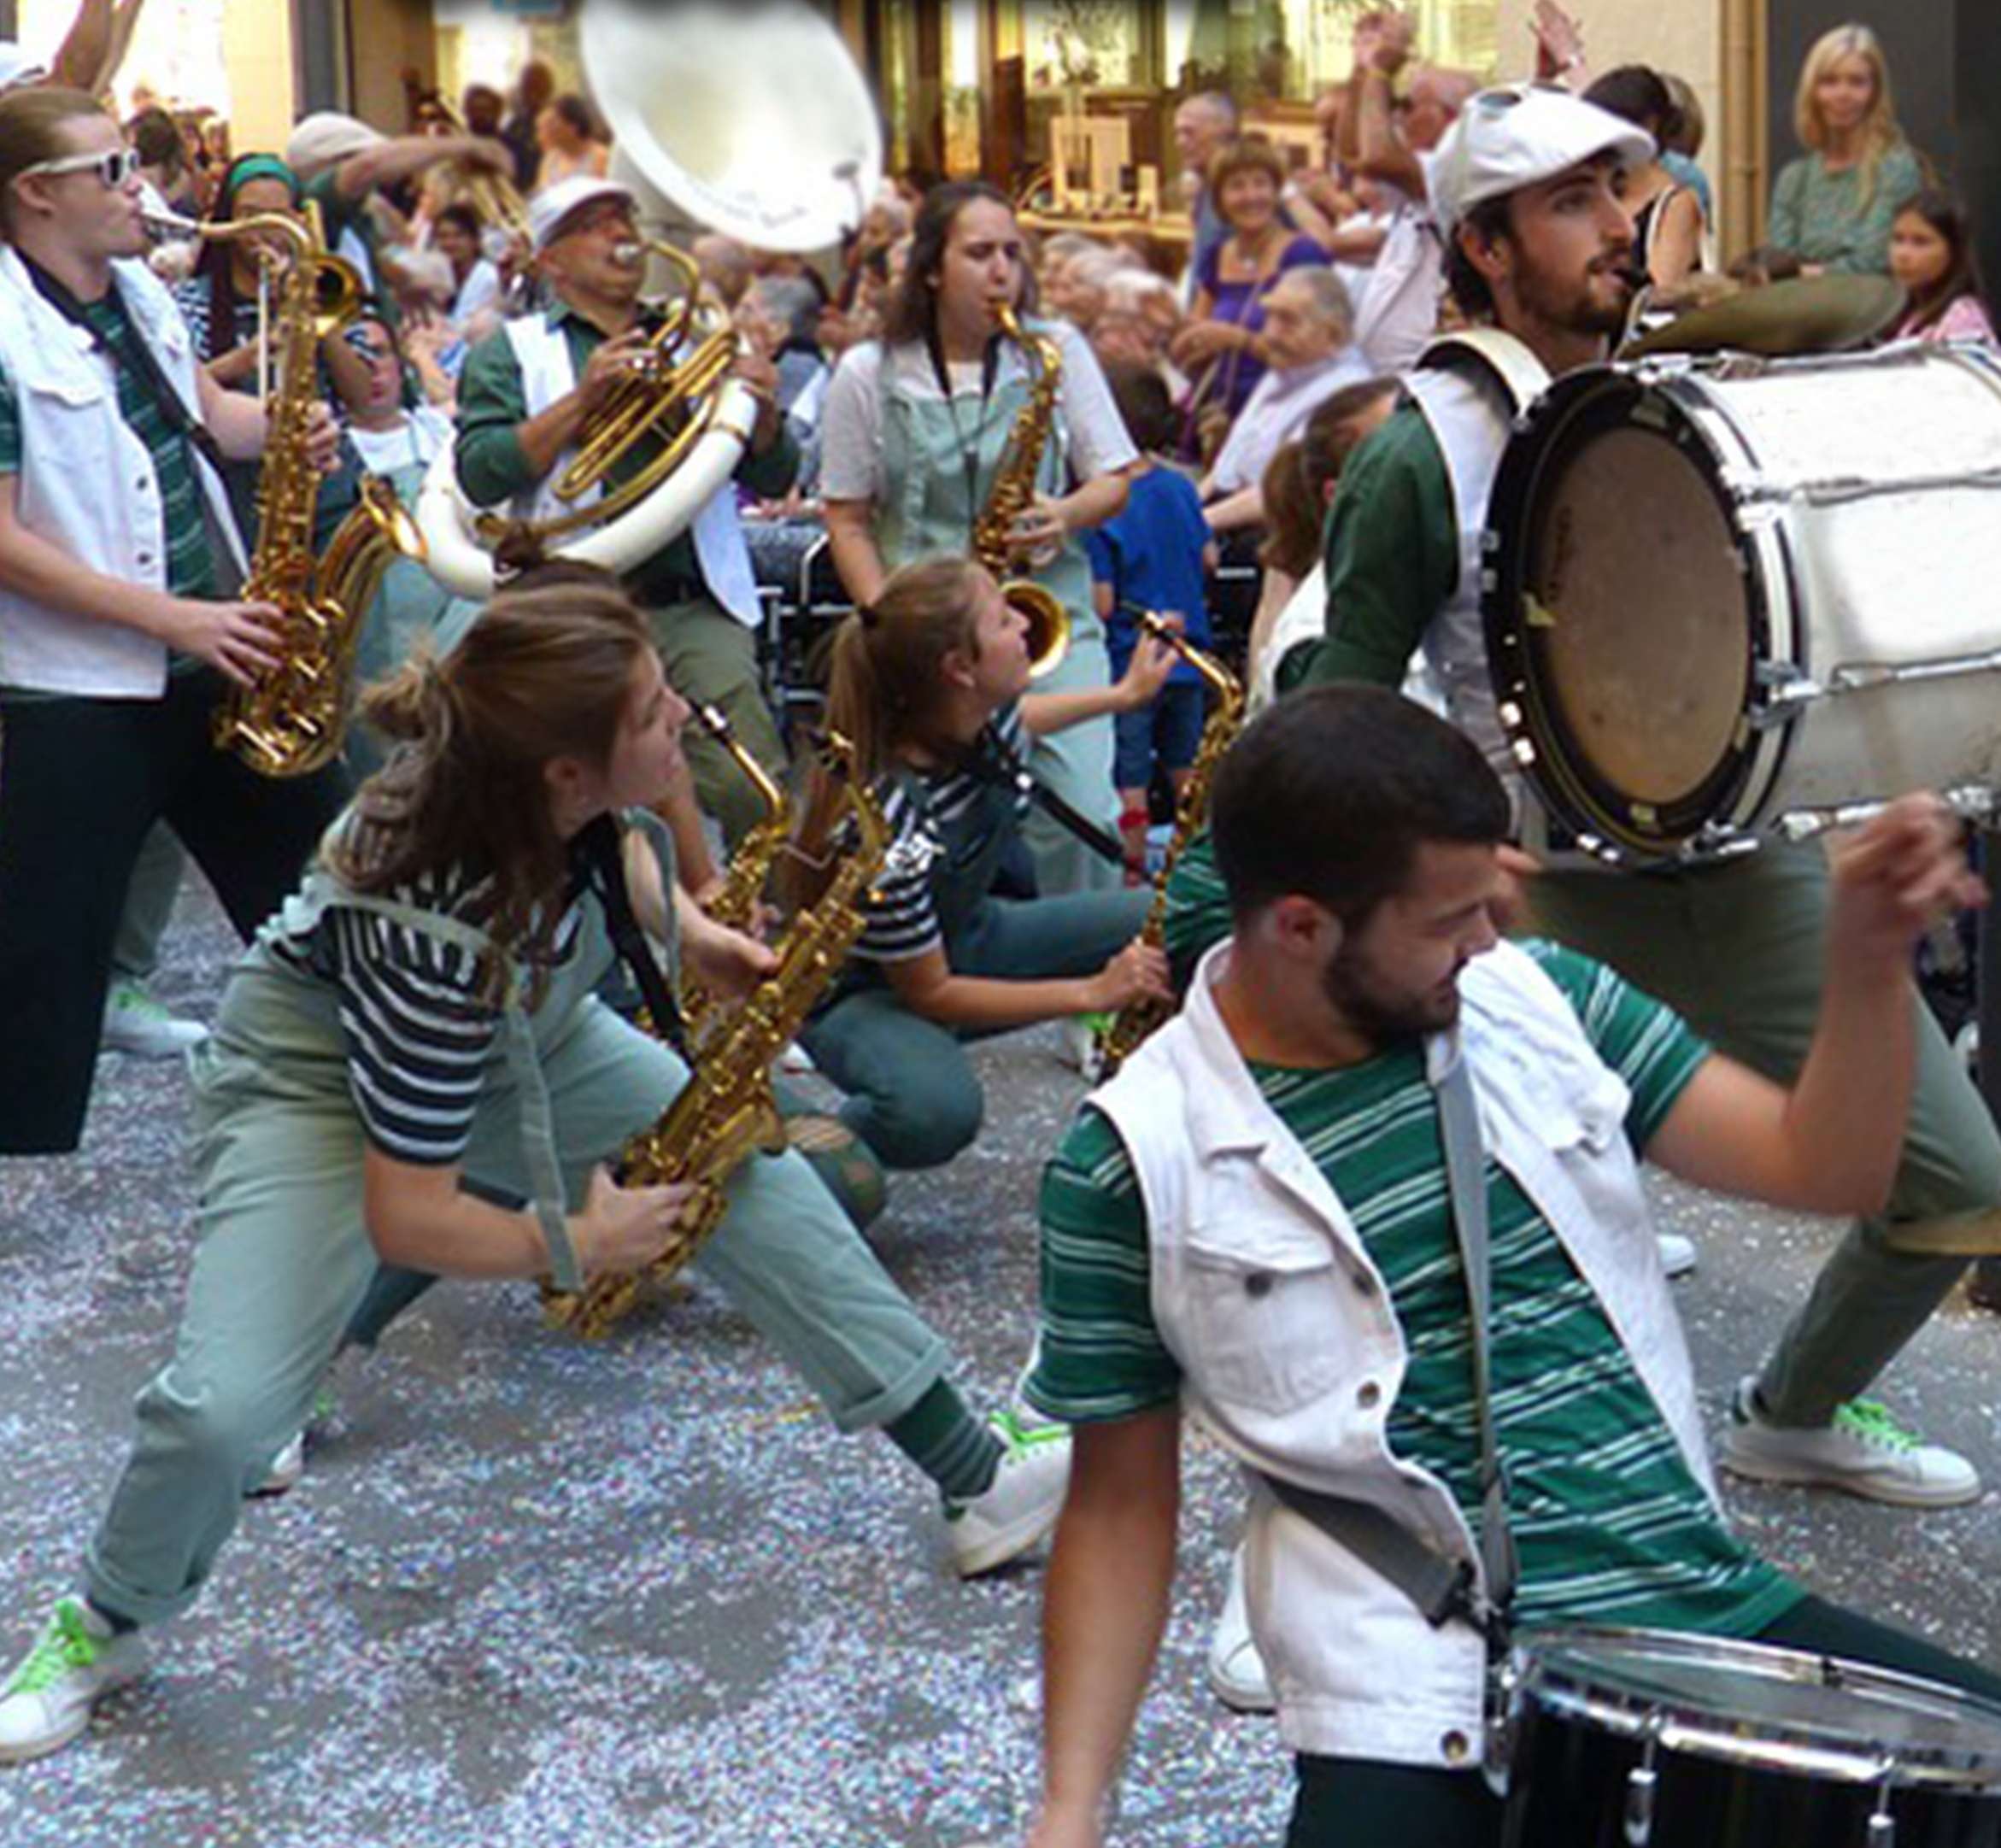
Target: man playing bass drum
column 1529, row 186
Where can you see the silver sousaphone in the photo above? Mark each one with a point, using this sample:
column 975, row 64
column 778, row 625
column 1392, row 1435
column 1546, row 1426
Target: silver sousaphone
column 750, row 119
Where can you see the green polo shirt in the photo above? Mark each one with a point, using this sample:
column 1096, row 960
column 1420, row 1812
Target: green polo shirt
column 1611, row 1523
column 493, row 403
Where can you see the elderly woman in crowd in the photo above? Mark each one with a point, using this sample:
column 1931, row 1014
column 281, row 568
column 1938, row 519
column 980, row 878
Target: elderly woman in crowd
column 1308, row 345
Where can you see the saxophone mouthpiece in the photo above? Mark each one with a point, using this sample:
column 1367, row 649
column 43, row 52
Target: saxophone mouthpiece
column 170, row 225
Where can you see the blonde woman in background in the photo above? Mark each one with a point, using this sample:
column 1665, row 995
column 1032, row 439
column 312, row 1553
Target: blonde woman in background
column 1835, row 205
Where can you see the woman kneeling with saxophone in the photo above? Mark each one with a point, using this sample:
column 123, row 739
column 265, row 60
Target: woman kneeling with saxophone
column 928, row 684
column 347, row 1101
column 964, row 430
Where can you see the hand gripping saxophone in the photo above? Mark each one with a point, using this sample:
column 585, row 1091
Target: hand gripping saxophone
column 1013, row 494
column 1131, row 1025
column 290, row 722
column 725, row 1112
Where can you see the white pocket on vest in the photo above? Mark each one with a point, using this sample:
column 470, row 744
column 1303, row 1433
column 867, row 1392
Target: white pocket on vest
column 1268, row 1319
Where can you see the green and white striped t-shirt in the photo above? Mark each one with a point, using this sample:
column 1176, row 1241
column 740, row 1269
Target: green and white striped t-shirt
column 1611, row 1525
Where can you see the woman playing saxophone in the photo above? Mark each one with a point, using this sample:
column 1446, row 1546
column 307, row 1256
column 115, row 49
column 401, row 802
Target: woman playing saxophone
column 948, row 427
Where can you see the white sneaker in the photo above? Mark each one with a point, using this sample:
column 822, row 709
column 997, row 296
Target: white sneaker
column 1864, row 1450
column 1237, row 1675
column 47, row 1700
column 286, row 1468
column 1677, row 1253
column 1021, row 1507
column 135, row 1022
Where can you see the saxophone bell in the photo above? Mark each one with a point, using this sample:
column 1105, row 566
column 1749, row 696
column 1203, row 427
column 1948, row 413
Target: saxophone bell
column 1048, row 624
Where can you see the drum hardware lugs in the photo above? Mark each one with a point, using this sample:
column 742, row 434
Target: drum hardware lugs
column 1643, row 1786
column 1789, row 685
column 1882, row 1826
column 1969, row 802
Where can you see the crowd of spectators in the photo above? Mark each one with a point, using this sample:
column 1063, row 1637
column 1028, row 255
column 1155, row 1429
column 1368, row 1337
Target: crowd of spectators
column 1247, row 360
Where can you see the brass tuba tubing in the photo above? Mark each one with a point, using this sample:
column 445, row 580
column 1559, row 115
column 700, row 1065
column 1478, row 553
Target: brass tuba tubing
column 658, row 388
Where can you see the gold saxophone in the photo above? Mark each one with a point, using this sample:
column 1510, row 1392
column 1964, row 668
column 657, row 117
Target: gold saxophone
column 749, row 870
column 1134, row 1021
column 1013, row 493
column 290, row 721
column 726, row 1111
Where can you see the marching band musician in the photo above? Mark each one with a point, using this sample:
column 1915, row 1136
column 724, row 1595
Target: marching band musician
column 931, row 683
column 916, row 428
column 1528, row 183
column 119, row 557
column 525, row 401
column 1268, row 1218
column 356, row 1077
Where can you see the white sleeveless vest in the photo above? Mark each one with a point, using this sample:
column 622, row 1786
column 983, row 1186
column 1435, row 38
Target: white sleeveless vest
column 548, row 374
column 87, row 483
column 1471, row 387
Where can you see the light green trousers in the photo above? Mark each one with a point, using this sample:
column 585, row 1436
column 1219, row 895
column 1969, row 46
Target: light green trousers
column 285, row 1258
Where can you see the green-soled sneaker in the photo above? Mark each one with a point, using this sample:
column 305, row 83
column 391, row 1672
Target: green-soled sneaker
column 1021, row 1506
column 47, row 1700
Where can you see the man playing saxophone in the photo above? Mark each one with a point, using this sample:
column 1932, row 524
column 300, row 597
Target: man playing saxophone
column 527, row 404
column 923, row 431
column 119, row 557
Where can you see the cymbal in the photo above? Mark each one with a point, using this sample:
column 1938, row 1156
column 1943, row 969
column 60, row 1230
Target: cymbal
column 1807, row 314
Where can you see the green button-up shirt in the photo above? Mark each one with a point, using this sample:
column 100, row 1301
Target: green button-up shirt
column 493, row 405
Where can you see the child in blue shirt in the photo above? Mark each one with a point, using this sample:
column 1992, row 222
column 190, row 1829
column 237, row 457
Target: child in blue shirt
column 1154, row 554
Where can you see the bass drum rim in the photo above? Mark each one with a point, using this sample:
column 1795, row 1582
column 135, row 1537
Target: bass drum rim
column 1601, row 818
column 1594, row 1677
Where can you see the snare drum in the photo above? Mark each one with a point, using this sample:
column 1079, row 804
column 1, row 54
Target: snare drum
column 1644, row 1739
column 1727, row 594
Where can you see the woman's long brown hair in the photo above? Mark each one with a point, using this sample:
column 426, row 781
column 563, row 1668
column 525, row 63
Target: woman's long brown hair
column 882, row 688
column 545, row 672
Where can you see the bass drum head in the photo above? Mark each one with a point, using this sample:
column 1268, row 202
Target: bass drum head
column 1620, row 621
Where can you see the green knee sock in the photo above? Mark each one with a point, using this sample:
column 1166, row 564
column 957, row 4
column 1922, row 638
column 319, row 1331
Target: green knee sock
column 943, row 1439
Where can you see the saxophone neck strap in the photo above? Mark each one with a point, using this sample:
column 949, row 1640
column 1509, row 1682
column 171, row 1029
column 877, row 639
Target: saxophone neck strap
column 600, row 853
column 173, row 406
column 969, row 448
column 992, row 759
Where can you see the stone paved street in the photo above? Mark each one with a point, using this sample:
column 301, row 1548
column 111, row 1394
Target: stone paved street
column 536, row 1592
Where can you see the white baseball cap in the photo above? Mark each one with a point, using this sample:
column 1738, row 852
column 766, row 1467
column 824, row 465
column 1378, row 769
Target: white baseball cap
column 18, row 68
column 1516, row 134
column 548, row 209
column 328, row 136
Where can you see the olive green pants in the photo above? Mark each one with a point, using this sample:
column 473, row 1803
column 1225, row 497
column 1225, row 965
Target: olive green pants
column 711, row 659
column 1737, row 949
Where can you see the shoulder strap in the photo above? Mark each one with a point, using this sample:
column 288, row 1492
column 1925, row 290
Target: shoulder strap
column 1443, row 1588
column 173, row 406
column 602, row 848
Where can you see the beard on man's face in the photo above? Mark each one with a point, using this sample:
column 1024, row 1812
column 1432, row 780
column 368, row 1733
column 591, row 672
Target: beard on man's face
column 1580, row 305
column 1383, row 1017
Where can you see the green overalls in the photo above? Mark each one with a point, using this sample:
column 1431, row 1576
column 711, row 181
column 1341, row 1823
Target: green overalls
column 284, row 1256
column 927, row 504
column 912, row 1094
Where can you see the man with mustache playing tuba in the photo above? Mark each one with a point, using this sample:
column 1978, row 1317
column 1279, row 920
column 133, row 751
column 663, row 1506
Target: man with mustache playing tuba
column 526, row 405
